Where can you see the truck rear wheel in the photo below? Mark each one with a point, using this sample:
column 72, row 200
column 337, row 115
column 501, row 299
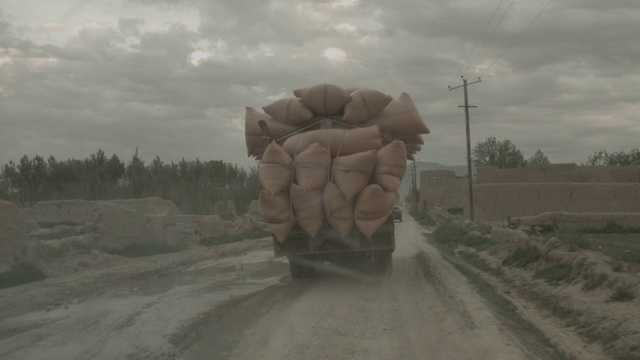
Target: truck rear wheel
column 299, row 271
column 382, row 263
column 386, row 263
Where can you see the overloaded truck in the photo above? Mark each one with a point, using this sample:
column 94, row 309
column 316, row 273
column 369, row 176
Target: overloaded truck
column 331, row 162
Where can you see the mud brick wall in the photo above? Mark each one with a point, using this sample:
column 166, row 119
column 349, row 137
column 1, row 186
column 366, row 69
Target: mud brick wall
column 496, row 202
column 441, row 188
column 559, row 173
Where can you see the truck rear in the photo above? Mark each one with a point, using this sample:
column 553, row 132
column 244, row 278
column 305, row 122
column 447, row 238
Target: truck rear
column 353, row 251
column 331, row 162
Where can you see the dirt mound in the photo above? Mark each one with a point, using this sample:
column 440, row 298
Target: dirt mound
column 583, row 288
column 12, row 235
column 78, row 212
column 225, row 209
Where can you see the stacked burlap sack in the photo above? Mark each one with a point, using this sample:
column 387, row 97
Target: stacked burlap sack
column 347, row 177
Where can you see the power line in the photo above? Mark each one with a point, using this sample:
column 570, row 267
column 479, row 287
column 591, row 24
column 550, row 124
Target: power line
column 477, row 41
column 519, row 35
column 493, row 31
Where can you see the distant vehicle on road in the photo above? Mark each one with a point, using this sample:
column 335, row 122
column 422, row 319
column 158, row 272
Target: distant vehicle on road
column 397, row 213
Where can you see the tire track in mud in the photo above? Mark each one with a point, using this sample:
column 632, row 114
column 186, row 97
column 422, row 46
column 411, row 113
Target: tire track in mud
column 442, row 290
column 226, row 324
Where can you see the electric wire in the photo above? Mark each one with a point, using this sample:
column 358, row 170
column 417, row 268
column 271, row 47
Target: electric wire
column 519, row 35
column 477, row 41
column 492, row 31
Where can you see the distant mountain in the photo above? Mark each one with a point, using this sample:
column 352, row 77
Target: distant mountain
column 460, row 170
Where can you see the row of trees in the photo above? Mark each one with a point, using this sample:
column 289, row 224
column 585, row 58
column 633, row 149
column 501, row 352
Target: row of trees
column 504, row 154
column 194, row 186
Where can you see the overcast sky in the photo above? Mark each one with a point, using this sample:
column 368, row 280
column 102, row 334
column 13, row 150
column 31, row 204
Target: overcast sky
column 173, row 77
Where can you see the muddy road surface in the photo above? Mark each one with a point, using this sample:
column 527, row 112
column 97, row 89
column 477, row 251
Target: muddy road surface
column 247, row 307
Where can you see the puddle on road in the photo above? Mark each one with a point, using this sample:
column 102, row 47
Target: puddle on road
column 138, row 316
column 213, row 275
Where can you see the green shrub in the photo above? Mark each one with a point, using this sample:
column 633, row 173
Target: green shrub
column 618, row 266
column 595, row 282
column 522, row 257
column 555, row 273
column 455, row 211
column 622, row 293
column 574, row 241
column 477, row 261
column 422, row 217
column 449, row 232
column 477, row 242
column 20, row 273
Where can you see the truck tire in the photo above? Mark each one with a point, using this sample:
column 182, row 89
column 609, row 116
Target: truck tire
column 381, row 264
column 386, row 263
column 299, row 271
column 296, row 270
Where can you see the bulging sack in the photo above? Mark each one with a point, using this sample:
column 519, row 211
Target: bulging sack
column 275, row 171
column 351, row 173
column 413, row 148
column 312, row 167
column 308, row 207
column 400, row 118
column 338, row 210
column 365, row 104
column 289, row 111
column 275, row 208
column 253, row 133
column 280, row 230
column 373, row 207
column 390, row 166
column 325, row 99
column 338, row 141
column 415, row 139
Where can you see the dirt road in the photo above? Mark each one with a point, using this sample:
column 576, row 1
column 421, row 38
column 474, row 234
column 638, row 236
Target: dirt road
column 425, row 310
column 246, row 307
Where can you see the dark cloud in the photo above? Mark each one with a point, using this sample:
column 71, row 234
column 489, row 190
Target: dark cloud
column 178, row 88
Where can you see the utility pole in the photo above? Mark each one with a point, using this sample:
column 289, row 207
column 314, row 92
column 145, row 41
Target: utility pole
column 466, row 107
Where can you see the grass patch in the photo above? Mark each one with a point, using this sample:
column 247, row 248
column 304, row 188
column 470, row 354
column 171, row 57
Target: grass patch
column 479, row 263
column 613, row 228
column 555, row 274
column 595, row 282
column 422, row 217
column 554, row 304
column 455, row 211
column 618, row 266
column 147, row 249
column 503, row 307
column 622, row 293
column 255, row 233
column 574, row 241
column 451, row 234
column 20, row 273
column 522, row 257
column 620, row 247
